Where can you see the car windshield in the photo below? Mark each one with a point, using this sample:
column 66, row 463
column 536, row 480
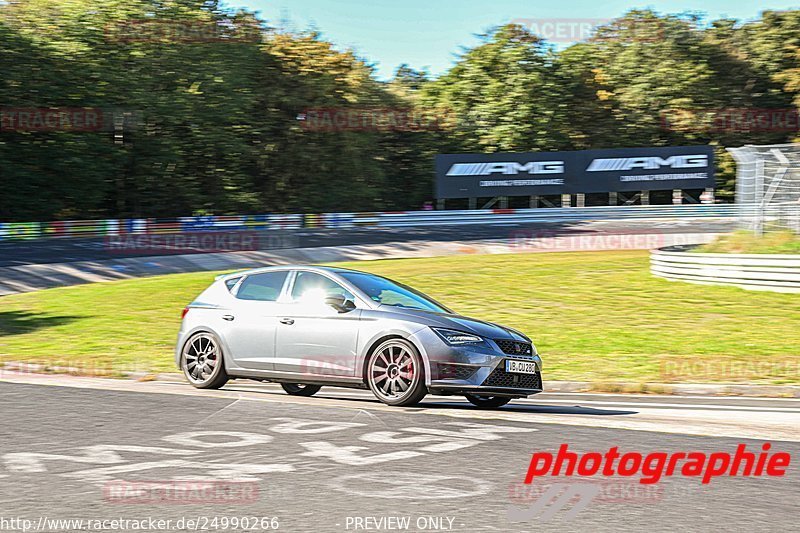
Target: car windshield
column 387, row 292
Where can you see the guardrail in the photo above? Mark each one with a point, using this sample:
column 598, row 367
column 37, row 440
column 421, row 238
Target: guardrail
column 763, row 272
column 271, row 222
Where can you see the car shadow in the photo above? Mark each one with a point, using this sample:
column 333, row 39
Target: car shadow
column 433, row 403
column 20, row 322
column 518, row 408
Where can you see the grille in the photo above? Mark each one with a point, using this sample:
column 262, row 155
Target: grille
column 500, row 378
column 456, row 371
column 514, row 347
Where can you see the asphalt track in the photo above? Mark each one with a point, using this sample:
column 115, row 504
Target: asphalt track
column 46, row 251
column 323, row 463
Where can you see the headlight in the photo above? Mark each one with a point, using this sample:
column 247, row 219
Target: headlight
column 456, row 338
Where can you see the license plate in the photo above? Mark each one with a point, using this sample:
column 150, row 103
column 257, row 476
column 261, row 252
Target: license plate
column 520, row 367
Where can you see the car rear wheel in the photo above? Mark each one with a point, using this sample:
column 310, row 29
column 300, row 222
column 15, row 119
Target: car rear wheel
column 487, row 402
column 202, row 363
column 298, row 389
column 395, row 373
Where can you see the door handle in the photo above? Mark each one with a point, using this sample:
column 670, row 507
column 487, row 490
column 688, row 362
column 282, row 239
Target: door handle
column 227, row 317
column 287, row 321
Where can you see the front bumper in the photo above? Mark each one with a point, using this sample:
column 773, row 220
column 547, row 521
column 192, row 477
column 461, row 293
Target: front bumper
column 491, row 382
column 475, row 369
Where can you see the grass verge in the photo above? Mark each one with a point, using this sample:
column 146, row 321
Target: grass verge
column 745, row 242
column 595, row 316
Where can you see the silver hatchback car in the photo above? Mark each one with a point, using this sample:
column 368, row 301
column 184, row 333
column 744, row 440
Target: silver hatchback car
column 306, row 327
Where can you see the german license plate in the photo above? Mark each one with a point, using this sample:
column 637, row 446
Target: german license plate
column 520, row 367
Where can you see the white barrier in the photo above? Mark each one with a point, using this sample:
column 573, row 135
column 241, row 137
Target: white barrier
column 759, row 272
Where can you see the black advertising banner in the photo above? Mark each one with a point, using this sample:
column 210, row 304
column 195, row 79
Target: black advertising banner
column 539, row 173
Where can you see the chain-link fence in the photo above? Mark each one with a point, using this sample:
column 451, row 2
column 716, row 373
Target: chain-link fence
column 768, row 187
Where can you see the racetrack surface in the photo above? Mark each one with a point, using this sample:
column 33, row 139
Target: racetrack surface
column 46, row 251
column 319, row 463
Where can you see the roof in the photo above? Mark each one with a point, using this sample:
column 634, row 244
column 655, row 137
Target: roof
column 284, row 267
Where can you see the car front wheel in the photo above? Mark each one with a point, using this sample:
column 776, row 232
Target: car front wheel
column 395, row 373
column 201, row 362
column 487, row 402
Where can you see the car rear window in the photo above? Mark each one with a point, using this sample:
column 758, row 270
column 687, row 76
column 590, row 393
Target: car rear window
column 265, row 287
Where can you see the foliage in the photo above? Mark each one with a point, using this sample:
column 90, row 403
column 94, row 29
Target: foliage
column 216, row 122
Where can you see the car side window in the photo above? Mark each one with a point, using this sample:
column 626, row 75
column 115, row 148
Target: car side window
column 265, row 287
column 231, row 283
column 310, row 285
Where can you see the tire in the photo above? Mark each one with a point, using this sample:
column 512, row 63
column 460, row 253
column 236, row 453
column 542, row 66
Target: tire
column 204, row 349
column 396, row 374
column 298, row 389
column 487, row 402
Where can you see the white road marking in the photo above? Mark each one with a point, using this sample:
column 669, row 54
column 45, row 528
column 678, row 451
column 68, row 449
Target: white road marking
column 741, row 422
column 410, row 486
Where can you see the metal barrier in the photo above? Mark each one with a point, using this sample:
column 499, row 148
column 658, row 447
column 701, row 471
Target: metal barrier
column 764, row 272
column 267, row 222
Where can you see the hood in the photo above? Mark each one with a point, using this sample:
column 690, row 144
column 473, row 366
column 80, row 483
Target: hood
column 458, row 323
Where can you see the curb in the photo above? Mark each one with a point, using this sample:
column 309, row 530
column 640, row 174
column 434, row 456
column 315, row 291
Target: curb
column 663, row 389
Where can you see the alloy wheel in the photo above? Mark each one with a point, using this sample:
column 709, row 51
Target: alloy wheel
column 395, row 374
column 201, row 359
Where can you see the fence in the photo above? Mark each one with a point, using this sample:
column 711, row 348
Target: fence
column 766, row 272
column 272, row 222
column 768, row 176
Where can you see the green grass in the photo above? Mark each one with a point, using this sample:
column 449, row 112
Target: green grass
column 595, row 316
column 745, row 242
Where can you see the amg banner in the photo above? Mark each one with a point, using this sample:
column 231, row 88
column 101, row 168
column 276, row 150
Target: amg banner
column 538, row 173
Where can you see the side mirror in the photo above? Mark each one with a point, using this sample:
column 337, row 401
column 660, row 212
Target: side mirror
column 340, row 303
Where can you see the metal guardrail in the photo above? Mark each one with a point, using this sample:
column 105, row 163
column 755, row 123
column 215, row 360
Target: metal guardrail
column 271, row 222
column 764, row 272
